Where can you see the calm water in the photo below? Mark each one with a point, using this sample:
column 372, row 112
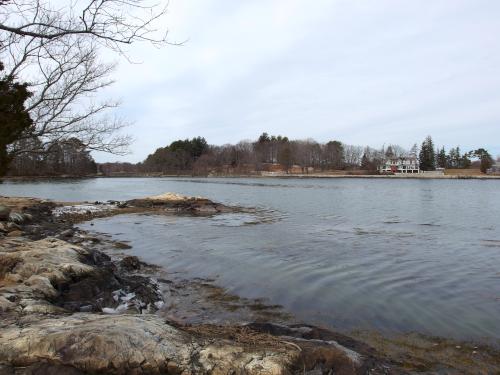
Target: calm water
column 396, row 255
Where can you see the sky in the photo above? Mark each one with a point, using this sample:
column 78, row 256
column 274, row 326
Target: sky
column 362, row 72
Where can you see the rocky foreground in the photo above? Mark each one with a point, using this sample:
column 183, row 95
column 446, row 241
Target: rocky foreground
column 68, row 308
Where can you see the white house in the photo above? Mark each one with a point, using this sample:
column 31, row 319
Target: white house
column 402, row 164
column 495, row 168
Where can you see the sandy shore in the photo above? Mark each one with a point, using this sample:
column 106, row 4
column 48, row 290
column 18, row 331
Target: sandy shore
column 74, row 302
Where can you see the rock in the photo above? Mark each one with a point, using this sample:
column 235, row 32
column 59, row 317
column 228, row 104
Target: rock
column 12, row 226
column 122, row 205
column 67, row 233
column 30, row 270
column 15, row 233
column 121, row 245
column 177, row 203
column 86, row 308
column 130, row 263
column 4, row 213
column 119, row 344
column 19, row 218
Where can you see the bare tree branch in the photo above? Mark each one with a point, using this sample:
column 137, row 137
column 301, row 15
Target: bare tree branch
column 56, row 51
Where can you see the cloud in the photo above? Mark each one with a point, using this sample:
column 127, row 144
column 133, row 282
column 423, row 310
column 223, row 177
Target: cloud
column 365, row 73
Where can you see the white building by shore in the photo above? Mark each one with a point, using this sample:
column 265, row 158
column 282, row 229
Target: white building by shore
column 402, row 164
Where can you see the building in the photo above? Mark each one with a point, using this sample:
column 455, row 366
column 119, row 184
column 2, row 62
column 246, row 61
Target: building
column 495, row 168
column 402, row 164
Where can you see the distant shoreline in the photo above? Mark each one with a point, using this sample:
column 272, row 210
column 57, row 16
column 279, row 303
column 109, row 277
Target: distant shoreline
column 281, row 176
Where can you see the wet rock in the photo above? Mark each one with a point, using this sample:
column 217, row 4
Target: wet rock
column 4, row 213
column 86, row 308
column 130, row 263
column 67, row 233
column 121, row 245
column 177, row 203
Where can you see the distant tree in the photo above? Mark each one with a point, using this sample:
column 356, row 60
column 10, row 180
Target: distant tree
column 334, row 155
column 484, row 157
column 427, row 155
column 365, row 162
column 441, row 159
column 465, row 161
column 68, row 157
column 352, row 155
column 285, row 157
column 414, row 150
column 14, row 118
column 389, row 152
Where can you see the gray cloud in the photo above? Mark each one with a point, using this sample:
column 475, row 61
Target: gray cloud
column 361, row 72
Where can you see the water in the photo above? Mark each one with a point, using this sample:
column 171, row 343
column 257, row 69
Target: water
column 385, row 254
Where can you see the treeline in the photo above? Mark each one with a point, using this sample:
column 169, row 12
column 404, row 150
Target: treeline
column 196, row 156
column 431, row 158
column 69, row 157
column 278, row 153
column 268, row 153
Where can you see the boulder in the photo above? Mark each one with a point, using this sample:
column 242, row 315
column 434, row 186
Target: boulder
column 177, row 203
column 130, row 263
column 133, row 344
column 4, row 213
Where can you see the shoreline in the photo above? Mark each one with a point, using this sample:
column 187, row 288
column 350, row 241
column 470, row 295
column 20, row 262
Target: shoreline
column 348, row 355
column 402, row 176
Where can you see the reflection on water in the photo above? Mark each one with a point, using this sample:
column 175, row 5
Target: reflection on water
column 398, row 255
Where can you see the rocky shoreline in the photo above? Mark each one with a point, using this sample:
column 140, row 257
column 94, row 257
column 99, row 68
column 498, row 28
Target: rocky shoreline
column 68, row 305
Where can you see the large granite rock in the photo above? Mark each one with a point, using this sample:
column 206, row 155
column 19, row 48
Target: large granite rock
column 125, row 344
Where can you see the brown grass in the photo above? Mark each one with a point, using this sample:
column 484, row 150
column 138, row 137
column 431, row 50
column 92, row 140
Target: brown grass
column 17, row 204
column 463, row 172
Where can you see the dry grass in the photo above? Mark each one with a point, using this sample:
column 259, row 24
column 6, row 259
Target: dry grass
column 18, row 203
column 463, row 172
column 242, row 335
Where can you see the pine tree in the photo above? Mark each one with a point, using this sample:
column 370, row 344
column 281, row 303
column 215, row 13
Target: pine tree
column 484, row 157
column 14, row 119
column 441, row 158
column 427, row 155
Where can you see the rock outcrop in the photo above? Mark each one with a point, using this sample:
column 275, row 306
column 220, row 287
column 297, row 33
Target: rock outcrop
column 67, row 308
column 52, row 295
column 177, row 203
column 130, row 344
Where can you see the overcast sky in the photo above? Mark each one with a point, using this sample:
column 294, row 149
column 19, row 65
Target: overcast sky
column 362, row 72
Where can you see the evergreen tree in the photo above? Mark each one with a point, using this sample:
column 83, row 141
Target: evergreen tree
column 441, row 158
column 427, row 155
column 389, row 153
column 414, row 150
column 484, row 157
column 14, row 119
column 365, row 162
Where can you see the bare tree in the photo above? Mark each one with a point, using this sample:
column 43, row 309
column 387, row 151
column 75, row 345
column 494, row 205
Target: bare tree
column 56, row 50
column 113, row 23
column 352, row 155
